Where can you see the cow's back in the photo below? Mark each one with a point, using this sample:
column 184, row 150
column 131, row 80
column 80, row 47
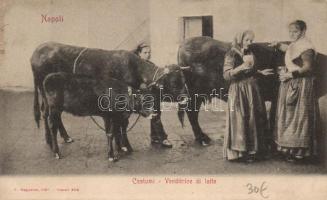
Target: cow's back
column 205, row 56
column 104, row 65
column 53, row 57
column 201, row 49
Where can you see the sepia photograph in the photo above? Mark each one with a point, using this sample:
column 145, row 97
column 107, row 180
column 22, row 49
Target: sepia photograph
column 163, row 99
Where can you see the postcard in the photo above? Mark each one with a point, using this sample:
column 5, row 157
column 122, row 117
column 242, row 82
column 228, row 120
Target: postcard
column 153, row 99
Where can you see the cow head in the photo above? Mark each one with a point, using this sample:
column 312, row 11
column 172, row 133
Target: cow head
column 171, row 84
column 267, row 58
column 124, row 99
column 143, row 103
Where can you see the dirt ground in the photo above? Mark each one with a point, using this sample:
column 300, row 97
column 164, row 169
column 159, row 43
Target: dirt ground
column 23, row 150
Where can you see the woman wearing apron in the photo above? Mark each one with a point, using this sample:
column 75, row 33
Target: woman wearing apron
column 297, row 112
column 246, row 115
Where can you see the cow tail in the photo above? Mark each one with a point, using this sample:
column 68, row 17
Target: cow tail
column 181, row 112
column 37, row 113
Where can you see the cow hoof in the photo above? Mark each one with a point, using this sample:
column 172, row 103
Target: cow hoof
column 113, row 159
column 57, row 156
column 124, row 149
column 166, row 143
column 69, row 140
column 204, row 143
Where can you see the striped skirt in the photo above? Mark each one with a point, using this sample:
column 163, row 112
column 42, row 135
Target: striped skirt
column 297, row 117
column 246, row 120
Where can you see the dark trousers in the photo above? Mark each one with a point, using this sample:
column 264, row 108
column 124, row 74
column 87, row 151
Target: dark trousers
column 157, row 130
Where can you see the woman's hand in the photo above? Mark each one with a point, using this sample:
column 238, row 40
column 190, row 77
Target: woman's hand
column 278, row 45
column 285, row 76
column 249, row 59
column 245, row 66
column 266, row 72
column 241, row 68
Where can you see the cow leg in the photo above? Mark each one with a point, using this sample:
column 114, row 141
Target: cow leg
column 114, row 133
column 63, row 132
column 193, row 116
column 117, row 136
column 53, row 125
column 126, row 146
column 45, row 115
column 109, row 134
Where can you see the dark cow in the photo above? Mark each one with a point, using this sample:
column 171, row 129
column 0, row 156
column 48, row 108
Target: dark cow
column 101, row 64
column 81, row 95
column 205, row 56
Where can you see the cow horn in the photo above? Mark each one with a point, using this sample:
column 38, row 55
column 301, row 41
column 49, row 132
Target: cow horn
column 187, row 67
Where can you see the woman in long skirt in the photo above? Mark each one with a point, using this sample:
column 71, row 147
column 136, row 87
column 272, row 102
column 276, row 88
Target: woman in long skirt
column 297, row 114
column 246, row 116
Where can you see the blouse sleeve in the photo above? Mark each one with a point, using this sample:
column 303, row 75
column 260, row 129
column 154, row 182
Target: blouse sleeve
column 231, row 72
column 282, row 47
column 308, row 63
column 229, row 63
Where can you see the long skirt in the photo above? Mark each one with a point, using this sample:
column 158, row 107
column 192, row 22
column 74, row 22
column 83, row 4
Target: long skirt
column 297, row 118
column 246, row 120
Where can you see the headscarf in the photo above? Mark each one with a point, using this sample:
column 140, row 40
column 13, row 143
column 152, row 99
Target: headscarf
column 238, row 39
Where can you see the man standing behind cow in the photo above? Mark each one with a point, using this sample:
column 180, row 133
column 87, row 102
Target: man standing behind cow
column 158, row 135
